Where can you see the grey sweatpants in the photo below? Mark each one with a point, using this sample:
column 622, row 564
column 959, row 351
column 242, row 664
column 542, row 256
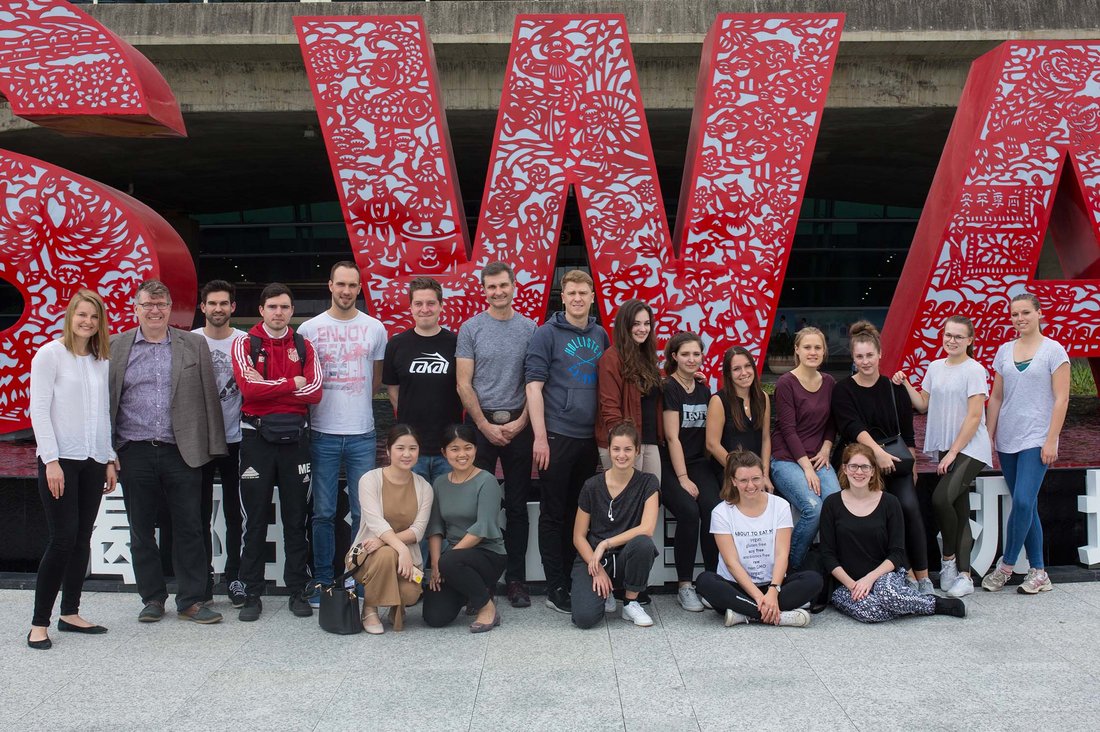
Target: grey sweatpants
column 629, row 567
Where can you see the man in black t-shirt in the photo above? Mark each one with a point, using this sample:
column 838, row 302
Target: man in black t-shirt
column 418, row 370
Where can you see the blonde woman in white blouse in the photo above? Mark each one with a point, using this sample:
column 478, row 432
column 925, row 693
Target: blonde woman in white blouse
column 70, row 415
column 395, row 504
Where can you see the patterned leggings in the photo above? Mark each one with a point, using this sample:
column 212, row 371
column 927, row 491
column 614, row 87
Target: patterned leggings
column 890, row 598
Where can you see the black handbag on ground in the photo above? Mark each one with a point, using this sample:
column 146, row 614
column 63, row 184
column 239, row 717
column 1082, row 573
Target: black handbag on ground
column 339, row 611
column 896, row 446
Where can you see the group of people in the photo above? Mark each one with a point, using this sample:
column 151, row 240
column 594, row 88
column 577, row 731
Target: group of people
column 164, row 411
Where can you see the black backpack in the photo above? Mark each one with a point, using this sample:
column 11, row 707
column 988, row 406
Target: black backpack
column 256, row 346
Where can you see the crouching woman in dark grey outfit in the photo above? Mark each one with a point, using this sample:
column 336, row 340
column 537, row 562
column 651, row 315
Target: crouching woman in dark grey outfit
column 616, row 518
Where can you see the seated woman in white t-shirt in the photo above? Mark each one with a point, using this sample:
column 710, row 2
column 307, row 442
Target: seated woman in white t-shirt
column 753, row 531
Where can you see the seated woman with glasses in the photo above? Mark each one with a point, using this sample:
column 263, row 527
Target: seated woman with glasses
column 863, row 546
column 753, row 531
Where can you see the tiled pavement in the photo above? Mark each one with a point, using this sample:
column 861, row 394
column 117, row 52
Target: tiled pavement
column 1015, row 663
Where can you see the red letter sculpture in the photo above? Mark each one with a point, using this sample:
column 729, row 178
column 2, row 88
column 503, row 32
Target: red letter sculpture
column 58, row 231
column 1001, row 180
column 571, row 115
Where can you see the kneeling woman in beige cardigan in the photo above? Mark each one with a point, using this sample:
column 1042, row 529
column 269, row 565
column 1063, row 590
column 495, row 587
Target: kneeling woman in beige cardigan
column 396, row 504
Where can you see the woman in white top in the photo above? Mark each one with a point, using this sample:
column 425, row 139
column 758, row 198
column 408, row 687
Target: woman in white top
column 753, row 531
column 396, row 504
column 1026, row 412
column 953, row 393
column 70, row 415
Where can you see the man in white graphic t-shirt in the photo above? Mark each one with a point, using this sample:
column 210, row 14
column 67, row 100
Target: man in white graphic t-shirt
column 218, row 301
column 350, row 345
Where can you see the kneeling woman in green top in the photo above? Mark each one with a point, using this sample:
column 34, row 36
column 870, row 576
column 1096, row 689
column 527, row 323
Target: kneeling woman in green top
column 464, row 537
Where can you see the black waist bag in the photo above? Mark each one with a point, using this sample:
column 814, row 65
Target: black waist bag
column 281, row 429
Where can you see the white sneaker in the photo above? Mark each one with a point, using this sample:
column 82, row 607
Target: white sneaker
column 949, row 572
column 689, row 600
column 706, row 604
column 962, row 587
column 794, row 618
column 609, row 605
column 634, row 613
column 925, row 587
column 735, row 618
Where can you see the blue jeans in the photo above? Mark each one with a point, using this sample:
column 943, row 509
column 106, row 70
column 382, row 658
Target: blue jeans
column 790, row 482
column 357, row 453
column 430, row 467
column 1024, row 473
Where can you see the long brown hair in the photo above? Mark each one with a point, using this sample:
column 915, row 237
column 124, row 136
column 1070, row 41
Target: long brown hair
column 857, row 448
column 639, row 359
column 675, row 343
column 99, row 345
column 756, row 392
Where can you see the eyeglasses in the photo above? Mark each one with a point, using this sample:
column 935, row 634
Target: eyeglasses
column 858, row 468
column 147, row 306
column 954, row 337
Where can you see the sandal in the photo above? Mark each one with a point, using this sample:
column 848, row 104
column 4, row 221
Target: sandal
column 374, row 628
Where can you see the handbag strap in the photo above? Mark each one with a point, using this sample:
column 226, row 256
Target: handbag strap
column 339, row 581
column 894, row 401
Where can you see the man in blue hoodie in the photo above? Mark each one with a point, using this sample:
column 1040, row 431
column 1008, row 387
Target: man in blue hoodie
column 562, row 402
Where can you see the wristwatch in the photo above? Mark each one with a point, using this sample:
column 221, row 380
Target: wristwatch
column 777, row 587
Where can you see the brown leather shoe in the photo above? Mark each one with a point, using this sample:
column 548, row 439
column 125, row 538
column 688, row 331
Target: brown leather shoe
column 199, row 613
column 518, row 595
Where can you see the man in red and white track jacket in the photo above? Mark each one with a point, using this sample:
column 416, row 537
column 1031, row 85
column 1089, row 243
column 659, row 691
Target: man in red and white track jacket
column 278, row 382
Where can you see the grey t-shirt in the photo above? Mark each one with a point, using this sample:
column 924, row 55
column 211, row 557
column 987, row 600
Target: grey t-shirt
column 1028, row 402
column 228, row 392
column 497, row 348
column 612, row 516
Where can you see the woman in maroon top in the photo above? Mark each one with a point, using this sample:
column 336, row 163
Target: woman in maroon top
column 630, row 385
column 803, row 439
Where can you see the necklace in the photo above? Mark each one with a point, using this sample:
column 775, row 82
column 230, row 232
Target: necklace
column 689, row 385
column 456, row 479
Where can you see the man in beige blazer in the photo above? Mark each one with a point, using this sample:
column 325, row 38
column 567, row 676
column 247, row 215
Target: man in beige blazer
column 167, row 424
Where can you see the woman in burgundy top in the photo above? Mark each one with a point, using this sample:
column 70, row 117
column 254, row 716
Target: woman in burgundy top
column 630, row 385
column 803, row 439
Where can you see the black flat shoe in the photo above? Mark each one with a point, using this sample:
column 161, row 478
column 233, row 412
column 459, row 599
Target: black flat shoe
column 70, row 628
column 39, row 645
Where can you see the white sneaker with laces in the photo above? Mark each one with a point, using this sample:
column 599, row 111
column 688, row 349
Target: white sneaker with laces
column 949, row 572
column 689, row 599
column 962, row 587
column 735, row 618
column 609, row 605
column 633, row 612
column 794, row 618
column 925, row 587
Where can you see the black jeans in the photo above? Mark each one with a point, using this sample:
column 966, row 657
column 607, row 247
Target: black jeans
column 572, row 461
column 229, row 470
column 692, row 514
column 628, row 568
column 902, row 487
column 263, row 466
column 515, row 461
column 469, row 578
column 153, row 475
column 798, row 588
column 69, row 519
